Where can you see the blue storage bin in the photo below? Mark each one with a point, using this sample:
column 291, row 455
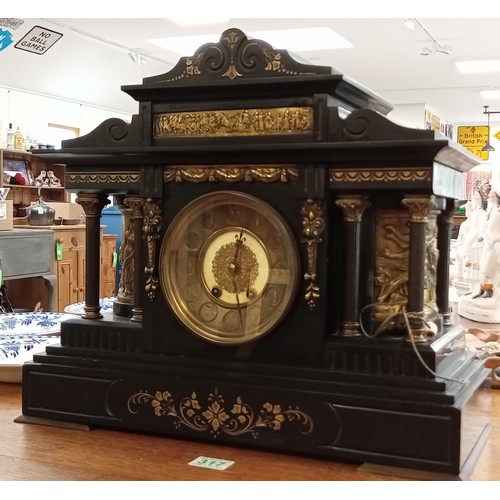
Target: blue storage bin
column 111, row 217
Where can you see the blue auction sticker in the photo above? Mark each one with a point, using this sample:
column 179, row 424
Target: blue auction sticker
column 5, row 38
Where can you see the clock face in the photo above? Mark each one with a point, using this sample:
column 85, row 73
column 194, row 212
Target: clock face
column 229, row 267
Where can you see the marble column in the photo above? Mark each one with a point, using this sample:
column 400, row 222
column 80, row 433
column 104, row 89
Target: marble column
column 92, row 205
column 443, row 269
column 418, row 209
column 352, row 207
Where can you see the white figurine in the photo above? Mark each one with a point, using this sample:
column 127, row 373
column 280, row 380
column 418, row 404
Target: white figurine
column 470, row 239
column 483, row 304
column 463, row 244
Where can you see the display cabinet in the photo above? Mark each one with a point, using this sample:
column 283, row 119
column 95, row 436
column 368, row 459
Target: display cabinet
column 108, row 265
column 69, row 254
column 70, row 265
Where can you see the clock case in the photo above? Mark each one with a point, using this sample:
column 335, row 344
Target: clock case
column 242, row 116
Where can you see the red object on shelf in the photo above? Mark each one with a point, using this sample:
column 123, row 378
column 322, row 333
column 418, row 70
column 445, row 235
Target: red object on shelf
column 20, row 179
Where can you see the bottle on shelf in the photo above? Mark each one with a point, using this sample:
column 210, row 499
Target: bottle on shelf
column 10, row 137
column 19, row 141
column 28, row 143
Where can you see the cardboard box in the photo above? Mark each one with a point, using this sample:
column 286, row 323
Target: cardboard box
column 6, row 214
column 66, row 210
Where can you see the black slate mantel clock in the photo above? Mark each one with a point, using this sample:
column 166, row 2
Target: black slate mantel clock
column 284, row 270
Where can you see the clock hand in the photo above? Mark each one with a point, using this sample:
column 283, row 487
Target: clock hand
column 233, row 266
column 239, row 242
column 240, row 312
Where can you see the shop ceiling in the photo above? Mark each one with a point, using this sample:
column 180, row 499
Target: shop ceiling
column 95, row 57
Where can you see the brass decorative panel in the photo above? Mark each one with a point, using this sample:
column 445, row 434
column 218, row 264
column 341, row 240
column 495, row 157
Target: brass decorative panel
column 392, row 251
column 234, row 122
column 381, row 175
column 102, row 178
column 216, row 173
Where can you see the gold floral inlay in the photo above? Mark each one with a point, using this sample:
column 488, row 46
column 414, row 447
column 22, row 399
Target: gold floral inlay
column 216, row 417
column 234, row 122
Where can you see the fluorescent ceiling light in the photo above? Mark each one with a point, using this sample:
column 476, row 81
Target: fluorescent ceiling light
column 488, row 66
column 297, row 40
column 490, row 94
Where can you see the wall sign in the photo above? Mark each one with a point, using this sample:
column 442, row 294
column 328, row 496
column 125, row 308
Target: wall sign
column 474, row 138
column 38, row 40
column 11, row 22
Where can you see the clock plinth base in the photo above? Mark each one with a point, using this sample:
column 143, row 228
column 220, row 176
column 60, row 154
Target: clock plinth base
column 122, row 309
column 411, row 422
column 394, row 356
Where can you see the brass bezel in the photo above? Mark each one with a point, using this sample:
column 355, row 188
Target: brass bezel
column 182, row 257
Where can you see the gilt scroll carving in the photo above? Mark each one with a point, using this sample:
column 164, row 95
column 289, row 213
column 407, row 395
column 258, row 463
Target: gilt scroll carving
column 235, row 57
column 313, row 225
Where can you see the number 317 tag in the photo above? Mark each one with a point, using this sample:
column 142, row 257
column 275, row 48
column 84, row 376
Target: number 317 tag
column 211, row 463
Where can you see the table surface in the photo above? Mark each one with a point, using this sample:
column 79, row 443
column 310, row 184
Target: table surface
column 44, row 452
column 32, row 452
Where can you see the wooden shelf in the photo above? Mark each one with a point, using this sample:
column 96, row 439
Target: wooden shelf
column 35, row 164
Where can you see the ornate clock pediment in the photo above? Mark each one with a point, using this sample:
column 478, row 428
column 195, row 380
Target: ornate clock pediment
column 235, row 56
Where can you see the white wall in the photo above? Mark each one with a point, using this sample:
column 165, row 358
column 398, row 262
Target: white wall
column 33, row 112
column 408, row 115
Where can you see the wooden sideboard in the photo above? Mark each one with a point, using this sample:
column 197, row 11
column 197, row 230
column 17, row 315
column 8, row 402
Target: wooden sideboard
column 70, row 267
column 109, row 257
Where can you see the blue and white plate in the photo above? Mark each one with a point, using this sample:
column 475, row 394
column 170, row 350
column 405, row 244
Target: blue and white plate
column 25, row 334
column 31, row 323
column 106, row 304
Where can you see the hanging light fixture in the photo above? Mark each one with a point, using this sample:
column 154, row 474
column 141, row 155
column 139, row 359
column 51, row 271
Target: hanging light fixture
column 409, row 24
column 488, row 147
column 137, row 58
column 436, row 48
